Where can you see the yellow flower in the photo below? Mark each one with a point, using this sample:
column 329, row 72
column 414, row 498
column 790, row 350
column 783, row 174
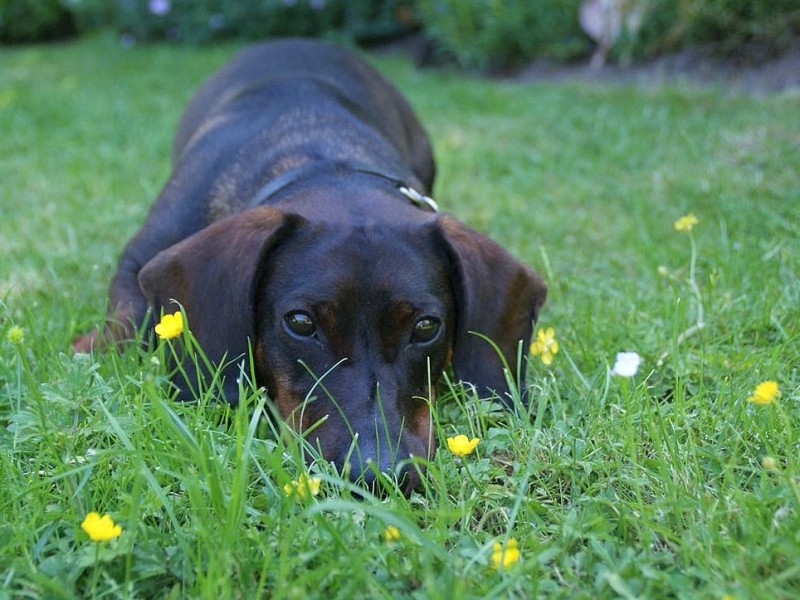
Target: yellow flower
column 170, row 326
column 100, row 529
column 391, row 533
column 461, row 445
column 303, row 487
column 505, row 557
column 16, row 335
column 686, row 222
column 769, row 463
column 765, row 393
column 545, row 345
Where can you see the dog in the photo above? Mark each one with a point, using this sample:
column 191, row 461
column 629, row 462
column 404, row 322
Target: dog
column 297, row 232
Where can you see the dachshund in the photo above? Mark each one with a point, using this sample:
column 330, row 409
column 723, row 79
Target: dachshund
column 297, row 234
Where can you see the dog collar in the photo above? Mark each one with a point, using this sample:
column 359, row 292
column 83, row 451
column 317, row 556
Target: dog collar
column 309, row 171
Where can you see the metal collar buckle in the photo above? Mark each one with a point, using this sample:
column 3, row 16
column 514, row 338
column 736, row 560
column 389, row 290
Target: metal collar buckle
column 420, row 200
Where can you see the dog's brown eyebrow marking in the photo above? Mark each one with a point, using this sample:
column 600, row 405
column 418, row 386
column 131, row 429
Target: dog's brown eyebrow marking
column 401, row 310
column 333, row 325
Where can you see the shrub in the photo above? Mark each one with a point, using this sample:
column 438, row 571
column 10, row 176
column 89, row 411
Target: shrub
column 742, row 29
column 482, row 34
column 198, row 21
column 502, row 33
column 498, row 34
column 34, row 20
column 745, row 28
column 661, row 27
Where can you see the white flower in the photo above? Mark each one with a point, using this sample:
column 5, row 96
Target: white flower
column 627, row 364
column 159, row 7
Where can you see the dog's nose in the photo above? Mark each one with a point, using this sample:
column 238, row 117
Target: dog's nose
column 368, row 476
column 370, row 457
column 369, row 467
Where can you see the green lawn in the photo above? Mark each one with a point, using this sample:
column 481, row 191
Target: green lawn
column 652, row 486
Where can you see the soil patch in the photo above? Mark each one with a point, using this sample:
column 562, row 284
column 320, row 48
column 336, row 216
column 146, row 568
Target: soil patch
column 694, row 67
column 697, row 66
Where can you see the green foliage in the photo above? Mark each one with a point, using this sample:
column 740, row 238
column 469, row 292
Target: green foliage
column 198, row 21
column 491, row 34
column 662, row 28
column 648, row 487
column 745, row 28
column 477, row 34
column 740, row 29
column 201, row 21
column 503, row 33
column 34, row 20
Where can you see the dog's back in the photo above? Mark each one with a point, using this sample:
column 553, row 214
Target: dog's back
column 269, row 86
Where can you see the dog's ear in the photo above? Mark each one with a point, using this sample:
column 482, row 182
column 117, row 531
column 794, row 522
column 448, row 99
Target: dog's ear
column 496, row 296
column 212, row 275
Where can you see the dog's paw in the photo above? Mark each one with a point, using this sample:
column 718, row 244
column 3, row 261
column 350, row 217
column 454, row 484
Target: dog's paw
column 86, row 343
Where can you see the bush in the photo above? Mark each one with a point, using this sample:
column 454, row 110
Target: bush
column 503, row 33
column 34, row 20
column 498, row 34
column 754, row 29
column 660, row 27
column 199, row 21
column 741, row 29
column 482, row 34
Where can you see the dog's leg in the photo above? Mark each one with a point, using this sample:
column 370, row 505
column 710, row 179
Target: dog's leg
column 126, row 311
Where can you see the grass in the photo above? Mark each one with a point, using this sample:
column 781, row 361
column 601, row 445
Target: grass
column 648, row 487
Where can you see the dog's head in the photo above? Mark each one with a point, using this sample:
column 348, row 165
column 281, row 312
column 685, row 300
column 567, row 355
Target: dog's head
column 351, row 327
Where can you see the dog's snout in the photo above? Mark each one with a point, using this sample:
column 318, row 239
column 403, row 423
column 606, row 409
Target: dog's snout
column 372, row 453
column 378, row 442
column 370, row 473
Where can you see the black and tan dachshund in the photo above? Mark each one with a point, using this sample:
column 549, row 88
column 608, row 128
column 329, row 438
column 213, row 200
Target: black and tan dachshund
column 296, row 228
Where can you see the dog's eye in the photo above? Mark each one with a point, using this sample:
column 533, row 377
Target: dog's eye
column 425, row 330
column 300, row 323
